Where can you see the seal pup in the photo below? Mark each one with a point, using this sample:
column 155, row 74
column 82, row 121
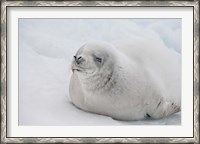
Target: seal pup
column 108, row 82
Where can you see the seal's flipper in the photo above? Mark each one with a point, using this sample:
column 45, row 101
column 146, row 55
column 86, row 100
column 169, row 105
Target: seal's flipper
column 165, row 109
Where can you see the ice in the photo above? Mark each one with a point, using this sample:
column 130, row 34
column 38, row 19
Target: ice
column 46, row 48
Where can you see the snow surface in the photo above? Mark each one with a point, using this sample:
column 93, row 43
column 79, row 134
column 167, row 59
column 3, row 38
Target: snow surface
column 46, row 48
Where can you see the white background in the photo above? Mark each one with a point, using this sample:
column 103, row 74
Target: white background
column 58, row 58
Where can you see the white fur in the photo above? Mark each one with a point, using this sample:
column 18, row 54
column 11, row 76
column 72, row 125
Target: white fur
column 146, row 81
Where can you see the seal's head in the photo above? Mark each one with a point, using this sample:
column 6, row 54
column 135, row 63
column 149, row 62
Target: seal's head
column 93, row 59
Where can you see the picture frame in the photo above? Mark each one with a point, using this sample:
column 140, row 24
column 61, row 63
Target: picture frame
column 5, row 5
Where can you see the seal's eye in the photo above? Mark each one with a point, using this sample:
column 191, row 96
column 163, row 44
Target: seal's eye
column 98, row 59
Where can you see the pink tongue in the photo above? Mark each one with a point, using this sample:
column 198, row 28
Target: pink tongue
column 72, row 68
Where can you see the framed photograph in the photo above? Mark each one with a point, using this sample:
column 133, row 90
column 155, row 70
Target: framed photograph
column 99, row 71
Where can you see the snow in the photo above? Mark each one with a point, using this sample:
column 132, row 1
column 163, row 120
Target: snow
column 46, row 48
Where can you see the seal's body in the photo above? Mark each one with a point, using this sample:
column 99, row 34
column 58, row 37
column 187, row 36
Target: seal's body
column 128, row 85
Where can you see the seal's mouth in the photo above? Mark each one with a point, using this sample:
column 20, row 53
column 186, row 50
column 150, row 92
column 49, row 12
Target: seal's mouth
column 74, row 68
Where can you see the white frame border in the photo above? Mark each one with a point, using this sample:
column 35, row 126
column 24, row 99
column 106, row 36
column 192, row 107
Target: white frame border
column 183, row 122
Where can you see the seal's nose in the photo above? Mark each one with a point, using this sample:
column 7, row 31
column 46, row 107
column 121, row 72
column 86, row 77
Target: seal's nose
column 75, row 59
column 78, row 60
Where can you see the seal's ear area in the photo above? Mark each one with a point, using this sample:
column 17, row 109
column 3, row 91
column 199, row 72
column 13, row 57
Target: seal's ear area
column 98, row 60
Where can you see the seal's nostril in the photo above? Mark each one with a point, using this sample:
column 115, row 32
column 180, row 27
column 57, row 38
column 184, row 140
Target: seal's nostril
column 79, row 58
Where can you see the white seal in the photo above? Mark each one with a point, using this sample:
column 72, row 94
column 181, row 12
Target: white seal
column 126, row 81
